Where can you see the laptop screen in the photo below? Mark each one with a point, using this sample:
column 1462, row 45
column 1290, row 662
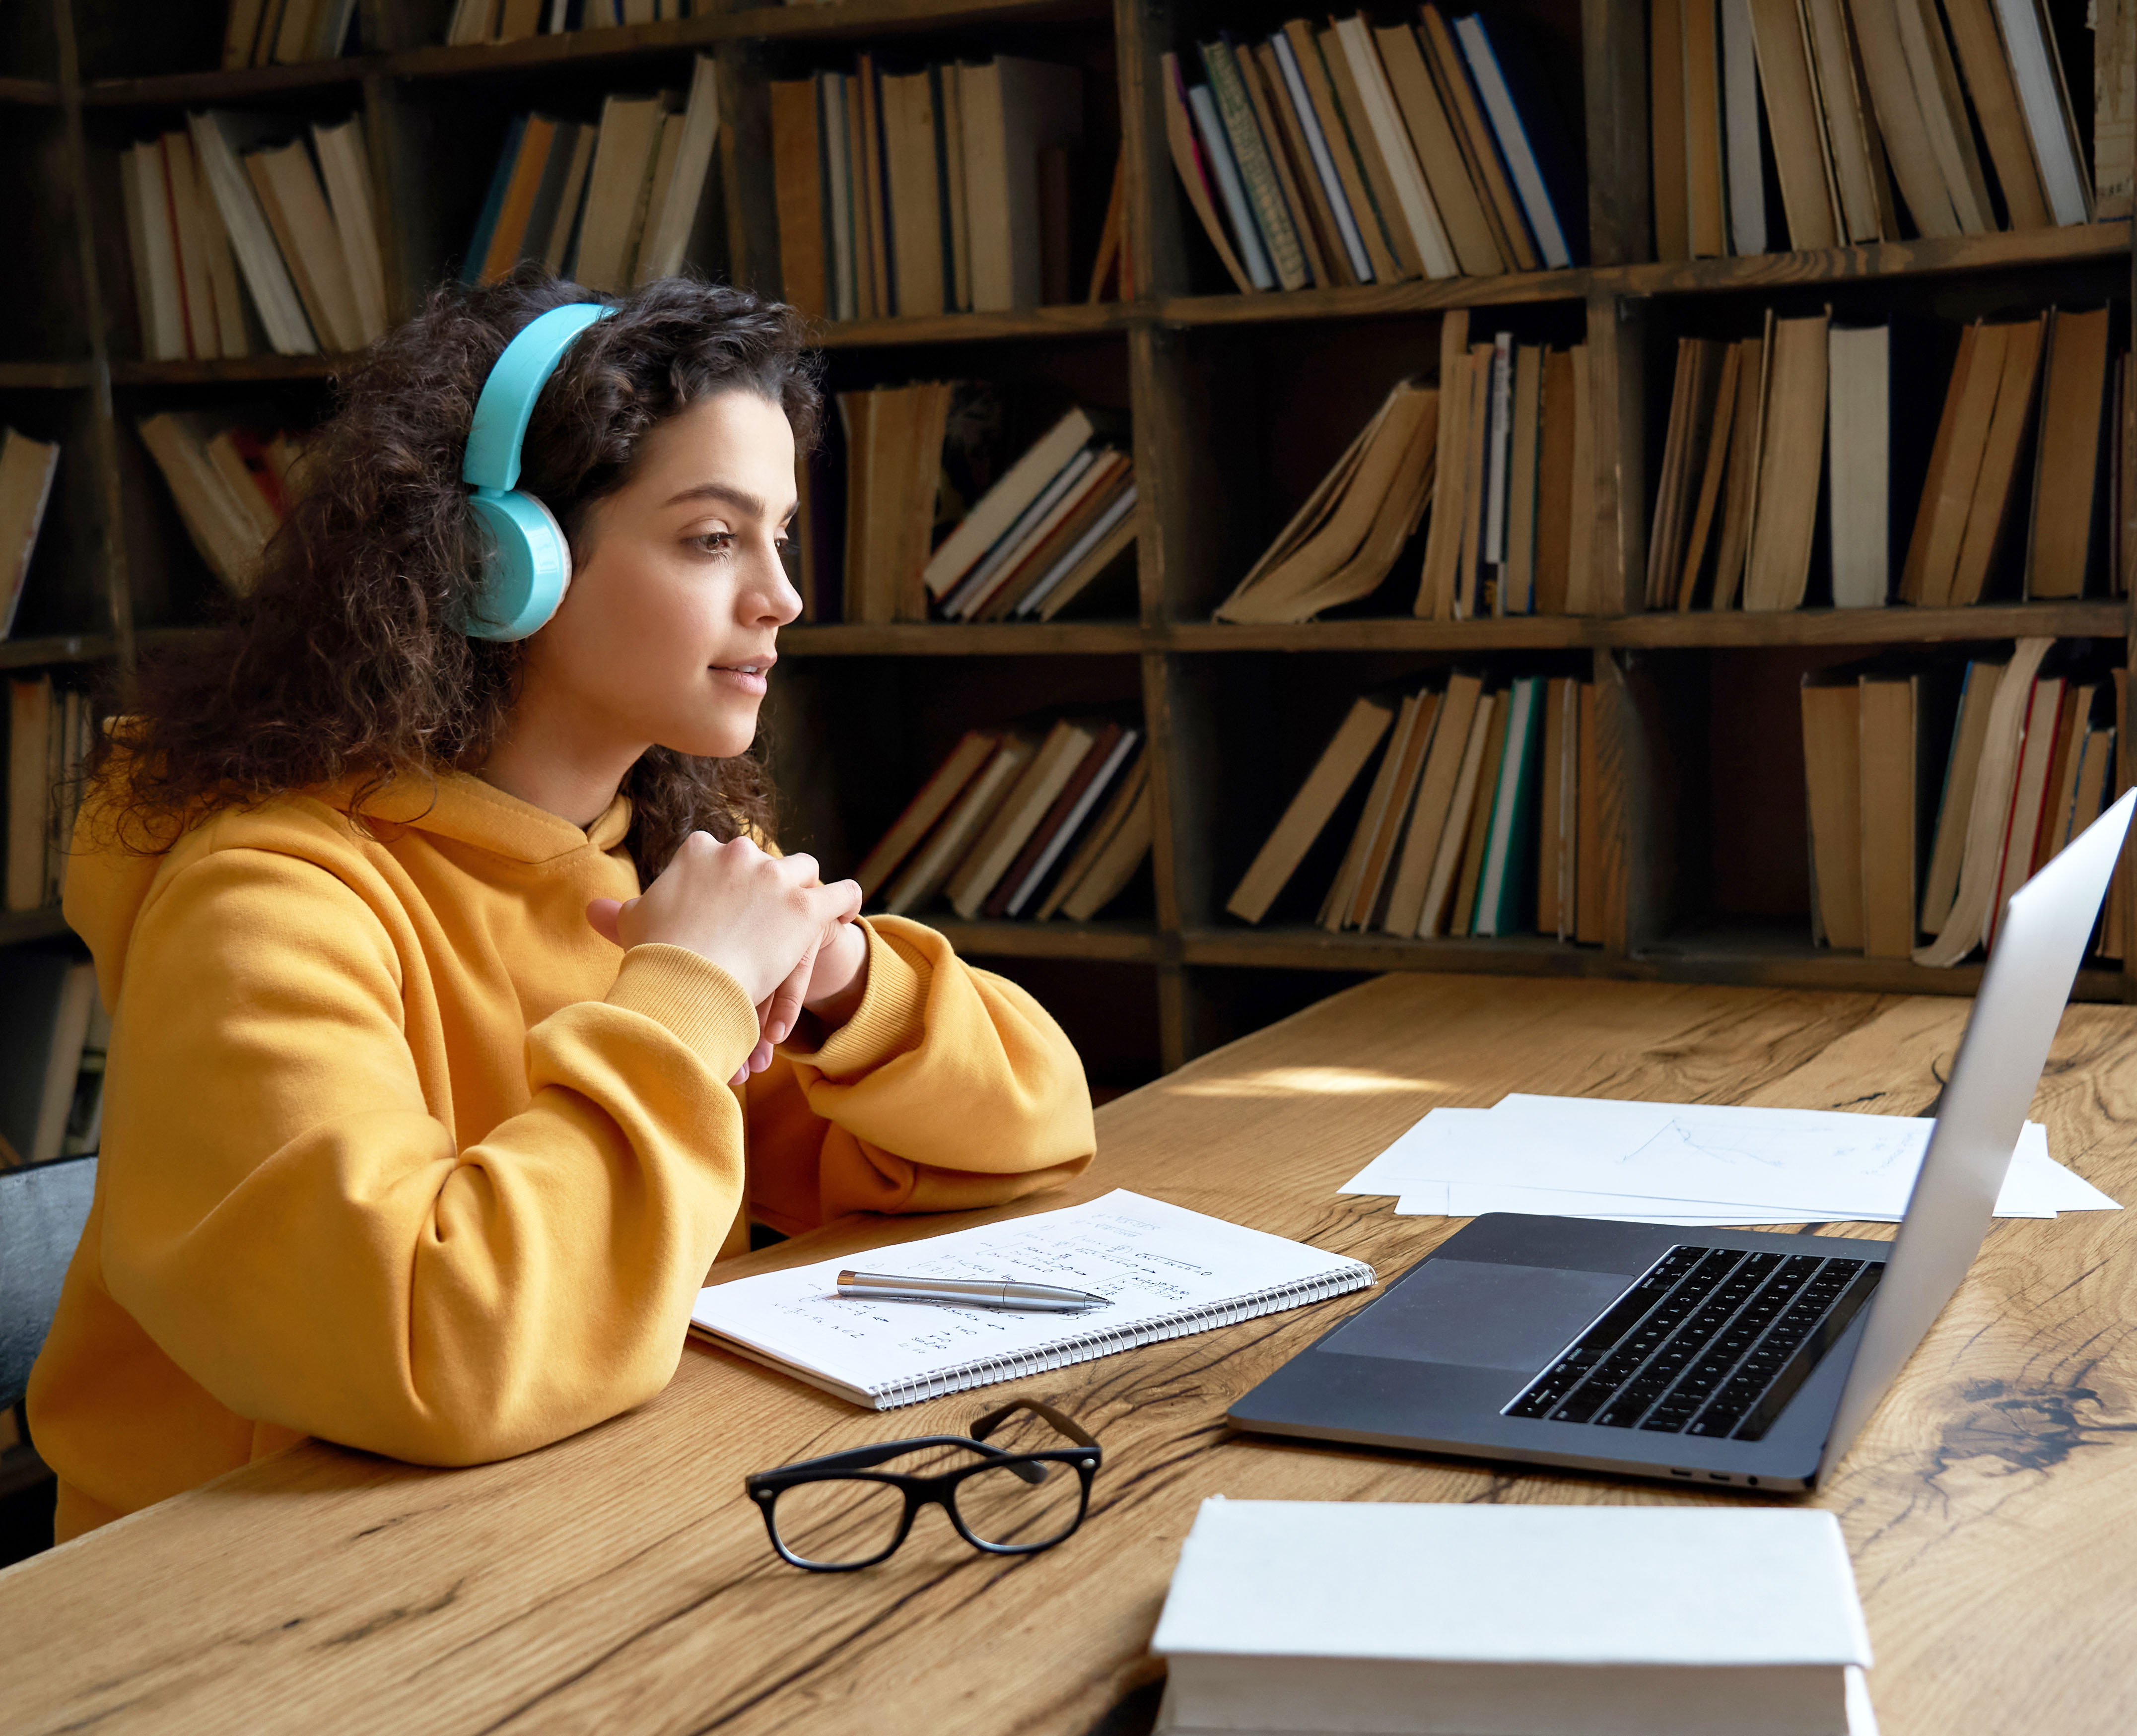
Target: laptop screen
column 2033, row 963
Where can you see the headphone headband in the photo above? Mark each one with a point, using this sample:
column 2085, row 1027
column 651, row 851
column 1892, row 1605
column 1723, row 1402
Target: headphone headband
column 507, row 403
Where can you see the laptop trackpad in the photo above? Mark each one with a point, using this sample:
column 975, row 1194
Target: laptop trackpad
column 1487, row 1316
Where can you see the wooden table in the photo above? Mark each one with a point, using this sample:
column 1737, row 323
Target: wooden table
column 619, row 1581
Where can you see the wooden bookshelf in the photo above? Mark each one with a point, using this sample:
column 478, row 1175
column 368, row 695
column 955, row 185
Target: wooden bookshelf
column 1233, row 713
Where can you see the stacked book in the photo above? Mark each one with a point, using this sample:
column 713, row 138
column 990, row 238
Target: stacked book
column 26, row 469
column 279, row 32
column 1361, row 154
column 231, row 482
column 2032, row 411
column 1021, row 821
column 1502, row 455
column 475, row 22
column 1049, row 527
column 1480, row 815
column 1935, row 791
column 610, row 204
column 53, row 1034
column 1843, row 88
column 48, row 737
column 285, row 210
column 943, row 189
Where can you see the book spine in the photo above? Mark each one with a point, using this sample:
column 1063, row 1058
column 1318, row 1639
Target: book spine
column 1250, row 152
column 1088, row 1346
column 1324, row 164
column 1219, row 151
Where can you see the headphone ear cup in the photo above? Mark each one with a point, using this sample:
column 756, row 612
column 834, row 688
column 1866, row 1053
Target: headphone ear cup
column 527, row 568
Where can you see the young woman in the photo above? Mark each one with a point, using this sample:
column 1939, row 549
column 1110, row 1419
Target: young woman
column 462, row 1018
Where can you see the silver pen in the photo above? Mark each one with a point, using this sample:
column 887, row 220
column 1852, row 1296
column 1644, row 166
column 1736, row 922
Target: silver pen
column 979, row 1293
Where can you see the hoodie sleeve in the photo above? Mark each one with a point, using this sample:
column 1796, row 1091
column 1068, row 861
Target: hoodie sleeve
column 948, row 1088
column 287, row 1216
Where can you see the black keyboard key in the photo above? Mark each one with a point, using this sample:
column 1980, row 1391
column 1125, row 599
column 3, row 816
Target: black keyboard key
column 1763, row 1415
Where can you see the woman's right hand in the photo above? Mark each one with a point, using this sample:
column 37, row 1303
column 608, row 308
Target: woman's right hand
column 759, row 918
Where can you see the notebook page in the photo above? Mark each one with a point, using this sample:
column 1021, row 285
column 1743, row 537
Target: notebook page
column 1167, row 1270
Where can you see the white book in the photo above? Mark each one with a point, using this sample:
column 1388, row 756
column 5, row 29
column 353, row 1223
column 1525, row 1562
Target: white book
column 1740, row 150
column 1859, row 425
column 1513, row 138
column 662, row 256
column 1002, row 504
column 1071, row 822
column 2029, row 37
column 1169, row 1272
column 1324, row 164
column 1030, row 523
column 1073, row 555
column 259, row 257
column 1498, row 443
column 340, row 151
column 1415, row 1619
column 1218, row 148
column 1414, row 197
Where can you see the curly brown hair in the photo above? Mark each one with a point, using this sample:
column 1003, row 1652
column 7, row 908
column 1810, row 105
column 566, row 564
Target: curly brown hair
column 346, row 659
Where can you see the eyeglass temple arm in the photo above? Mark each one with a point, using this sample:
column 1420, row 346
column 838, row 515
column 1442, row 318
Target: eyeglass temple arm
column 860, row 1458
column 993, row 1420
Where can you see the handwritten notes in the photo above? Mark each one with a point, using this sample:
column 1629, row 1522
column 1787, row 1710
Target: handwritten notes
column 1166, row 1271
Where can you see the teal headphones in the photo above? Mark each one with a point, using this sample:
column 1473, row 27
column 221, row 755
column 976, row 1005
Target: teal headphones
column 527, row 568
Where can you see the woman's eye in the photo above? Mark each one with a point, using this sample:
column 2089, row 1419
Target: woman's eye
column 714, row 542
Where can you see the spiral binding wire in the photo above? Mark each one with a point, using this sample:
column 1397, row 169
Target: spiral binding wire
column 1104, row 1341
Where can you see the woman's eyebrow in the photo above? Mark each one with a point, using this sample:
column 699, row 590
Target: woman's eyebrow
column 741, row 498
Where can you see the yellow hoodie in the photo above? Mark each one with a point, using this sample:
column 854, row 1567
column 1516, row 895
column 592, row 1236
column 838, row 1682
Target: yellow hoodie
column 398, row 1151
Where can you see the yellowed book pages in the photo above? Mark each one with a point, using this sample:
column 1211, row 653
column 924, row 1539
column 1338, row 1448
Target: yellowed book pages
column 1580, row 547
column 937, row 858
column 1435, row 800
column 1785, row 520
column 1335, row 907
column 934, row 800
column 1442, row 543
column 1887, row 780
column 1981, row 868
column 1094, row 842
column 1109, row 875
column 1948, row 844
column 1006, row 837
column 1312, row 809
column 1994, row 488
column 1454, row 839
column 304, row 231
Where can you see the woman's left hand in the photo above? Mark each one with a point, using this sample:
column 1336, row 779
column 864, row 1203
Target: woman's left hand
column 828, row 984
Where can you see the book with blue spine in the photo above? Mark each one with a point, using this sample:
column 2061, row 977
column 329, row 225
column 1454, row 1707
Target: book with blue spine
column 493, row 202
column 1543, row 166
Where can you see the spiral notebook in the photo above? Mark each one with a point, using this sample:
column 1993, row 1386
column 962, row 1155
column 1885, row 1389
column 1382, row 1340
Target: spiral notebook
column 1170, row 1272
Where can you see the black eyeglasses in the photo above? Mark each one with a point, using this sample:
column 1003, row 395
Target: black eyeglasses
column 1019, row 1492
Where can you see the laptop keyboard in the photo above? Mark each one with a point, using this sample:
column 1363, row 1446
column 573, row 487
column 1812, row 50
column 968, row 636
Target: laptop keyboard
column 1710, row 1341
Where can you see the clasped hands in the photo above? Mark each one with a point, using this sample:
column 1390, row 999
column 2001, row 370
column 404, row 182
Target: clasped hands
column 768, row 921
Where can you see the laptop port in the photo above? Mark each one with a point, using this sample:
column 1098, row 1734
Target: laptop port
column 1680, row 1473
column 1718, row 1477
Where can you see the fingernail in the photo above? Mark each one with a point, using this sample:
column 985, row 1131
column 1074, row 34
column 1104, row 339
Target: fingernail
column 778, row 1032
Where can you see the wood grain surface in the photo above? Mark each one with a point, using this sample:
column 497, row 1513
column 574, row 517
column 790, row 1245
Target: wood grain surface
column 618, row 1581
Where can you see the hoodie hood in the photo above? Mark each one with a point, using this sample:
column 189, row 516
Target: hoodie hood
column 108, row 883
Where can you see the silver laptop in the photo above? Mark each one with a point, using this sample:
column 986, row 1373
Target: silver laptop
column 1722, row 1356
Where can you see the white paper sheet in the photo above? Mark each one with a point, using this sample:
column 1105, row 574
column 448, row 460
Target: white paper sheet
column 1691, row 1163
